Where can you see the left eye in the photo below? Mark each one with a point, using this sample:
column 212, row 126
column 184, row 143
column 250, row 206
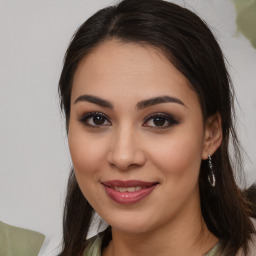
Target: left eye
column 95, row 120
column 159, row 121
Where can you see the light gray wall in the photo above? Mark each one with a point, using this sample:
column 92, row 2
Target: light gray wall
column 33, row 149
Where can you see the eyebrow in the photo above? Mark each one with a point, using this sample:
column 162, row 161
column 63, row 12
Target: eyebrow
column 95, row 100
column 140, row 105
column 158, row 100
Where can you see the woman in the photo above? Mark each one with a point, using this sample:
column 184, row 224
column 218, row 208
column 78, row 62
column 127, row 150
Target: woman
column 149, row 106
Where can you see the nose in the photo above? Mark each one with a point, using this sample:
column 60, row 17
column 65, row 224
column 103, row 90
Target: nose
column 126, row 150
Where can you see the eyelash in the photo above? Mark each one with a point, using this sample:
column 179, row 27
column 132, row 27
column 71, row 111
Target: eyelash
column 163, row 117
column 87, row 116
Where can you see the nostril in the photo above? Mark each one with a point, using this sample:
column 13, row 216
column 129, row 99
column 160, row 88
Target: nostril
column 125, row 154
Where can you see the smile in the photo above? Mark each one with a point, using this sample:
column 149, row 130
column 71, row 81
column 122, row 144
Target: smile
column 129, row 189
column 128, row 192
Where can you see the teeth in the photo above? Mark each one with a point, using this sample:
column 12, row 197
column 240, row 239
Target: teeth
column 122, row 189
column 132, row 189
column 129, row 189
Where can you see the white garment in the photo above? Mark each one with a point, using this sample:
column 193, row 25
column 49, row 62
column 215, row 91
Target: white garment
column 51, row 247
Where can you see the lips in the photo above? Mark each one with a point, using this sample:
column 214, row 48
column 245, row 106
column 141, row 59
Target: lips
column 128, row 192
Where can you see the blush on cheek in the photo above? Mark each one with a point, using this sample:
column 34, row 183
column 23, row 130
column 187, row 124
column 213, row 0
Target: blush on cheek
column 81, row 153
column 179, row 158
column 83, row 162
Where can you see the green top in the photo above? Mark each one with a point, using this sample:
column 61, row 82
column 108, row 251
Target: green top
column 94, row 248
column 16, row 241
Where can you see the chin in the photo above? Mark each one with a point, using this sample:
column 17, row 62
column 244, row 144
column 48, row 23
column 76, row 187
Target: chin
column 131, row 228
column 131, row 223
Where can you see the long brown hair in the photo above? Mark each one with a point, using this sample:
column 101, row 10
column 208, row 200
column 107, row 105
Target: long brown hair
column 191, row 47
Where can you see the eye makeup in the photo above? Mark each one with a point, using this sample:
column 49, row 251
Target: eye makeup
column 95, row 119
column 157, row 120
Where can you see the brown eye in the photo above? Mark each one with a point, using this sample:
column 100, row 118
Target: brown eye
column 95, row 120
column 159, row 120
column 98, row 120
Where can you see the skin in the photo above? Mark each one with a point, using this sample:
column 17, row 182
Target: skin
column 130, row 145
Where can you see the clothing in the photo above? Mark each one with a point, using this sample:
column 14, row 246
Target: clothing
column 94, row 248
column 16, row 241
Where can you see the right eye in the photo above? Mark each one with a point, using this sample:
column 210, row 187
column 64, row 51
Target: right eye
column 95, row 119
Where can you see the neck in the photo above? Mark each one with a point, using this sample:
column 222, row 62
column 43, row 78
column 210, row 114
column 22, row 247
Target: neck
column 181, row 237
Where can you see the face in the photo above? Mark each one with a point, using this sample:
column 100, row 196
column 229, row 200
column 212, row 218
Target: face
column 136, row 137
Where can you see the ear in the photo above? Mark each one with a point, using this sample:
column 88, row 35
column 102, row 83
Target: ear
column 212, row 135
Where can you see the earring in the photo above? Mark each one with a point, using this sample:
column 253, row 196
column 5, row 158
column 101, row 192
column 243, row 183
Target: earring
column 211, row 176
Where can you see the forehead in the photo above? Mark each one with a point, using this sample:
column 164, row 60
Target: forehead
column 129, row 69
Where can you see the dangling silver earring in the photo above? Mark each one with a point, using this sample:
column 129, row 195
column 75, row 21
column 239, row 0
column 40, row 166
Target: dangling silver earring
column 211, row 176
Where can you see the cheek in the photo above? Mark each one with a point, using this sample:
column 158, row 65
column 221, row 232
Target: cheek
column 87, row 153
column 179, row 156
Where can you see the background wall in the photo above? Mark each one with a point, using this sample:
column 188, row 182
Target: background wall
column 34, row 154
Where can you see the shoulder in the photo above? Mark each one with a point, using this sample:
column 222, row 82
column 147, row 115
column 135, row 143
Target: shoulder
column 93, row 246
column 19, row 241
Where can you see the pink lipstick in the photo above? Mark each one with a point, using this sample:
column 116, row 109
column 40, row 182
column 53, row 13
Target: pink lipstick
column 128, row 192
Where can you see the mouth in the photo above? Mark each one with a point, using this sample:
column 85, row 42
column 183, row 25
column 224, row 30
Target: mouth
column 128, row 192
